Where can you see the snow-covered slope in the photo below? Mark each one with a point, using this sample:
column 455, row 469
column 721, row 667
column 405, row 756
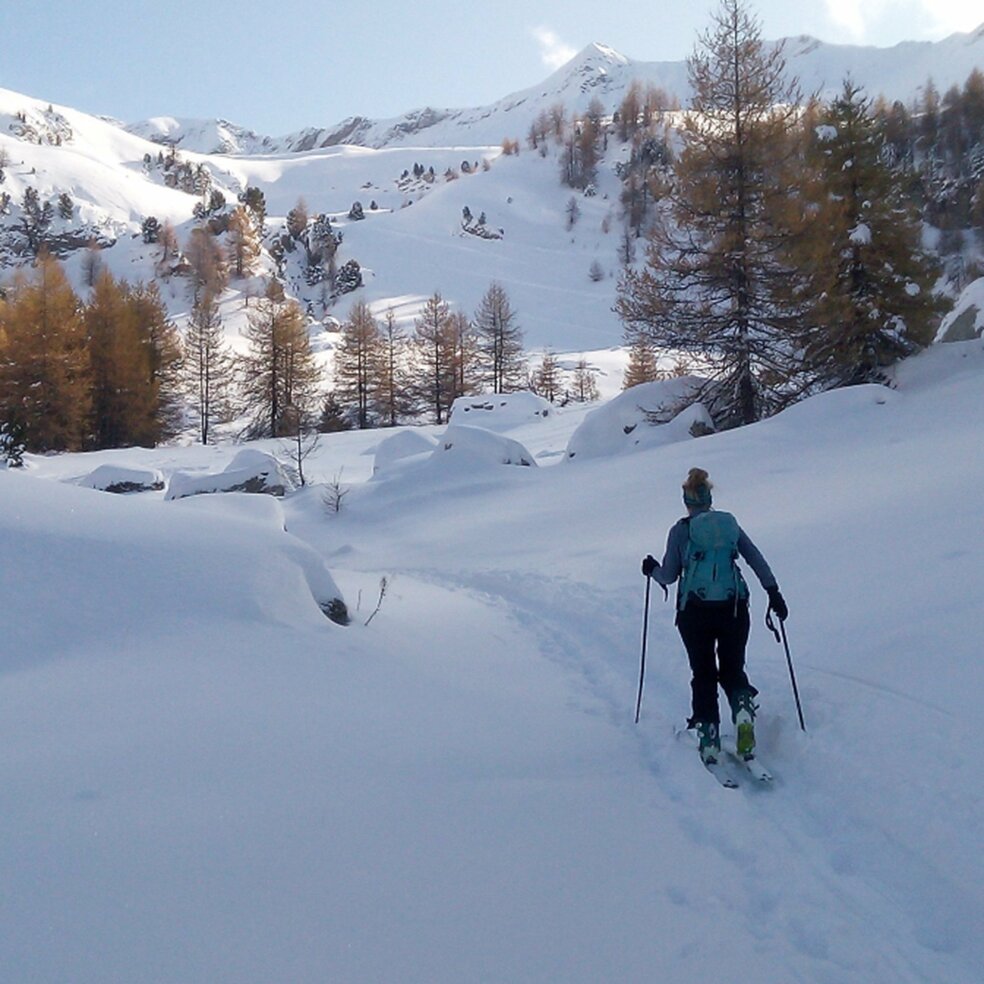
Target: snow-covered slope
column 205, row 781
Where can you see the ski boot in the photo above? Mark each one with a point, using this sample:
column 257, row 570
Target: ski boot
column 708, row 742
column 744, row 718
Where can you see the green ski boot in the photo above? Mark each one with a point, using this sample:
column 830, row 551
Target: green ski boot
column 744, row 715
column 708, row 742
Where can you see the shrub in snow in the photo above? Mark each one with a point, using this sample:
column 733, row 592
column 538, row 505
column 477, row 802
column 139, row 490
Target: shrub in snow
column 401, row 446
column 966, row 321
column 250, row 471
column 500, row 411
column 486, row 446
column 120, row 480
column 644, row 416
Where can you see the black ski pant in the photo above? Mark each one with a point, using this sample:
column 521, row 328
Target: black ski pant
column 715, row 637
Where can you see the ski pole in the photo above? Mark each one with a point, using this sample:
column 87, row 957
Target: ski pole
column 789, row 661
column 645, row 632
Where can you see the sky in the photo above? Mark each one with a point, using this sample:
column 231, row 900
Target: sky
column 277, row 68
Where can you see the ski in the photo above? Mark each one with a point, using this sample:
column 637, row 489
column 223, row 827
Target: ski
column 755, row 768
column 720, row 774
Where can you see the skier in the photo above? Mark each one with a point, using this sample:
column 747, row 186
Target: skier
column 712, row 612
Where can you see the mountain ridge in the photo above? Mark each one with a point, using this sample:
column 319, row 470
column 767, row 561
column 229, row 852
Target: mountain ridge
column 898, row 72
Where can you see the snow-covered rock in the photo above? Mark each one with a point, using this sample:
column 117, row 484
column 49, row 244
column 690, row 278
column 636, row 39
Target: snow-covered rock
column 116, row 478
column 250, row 471
column 401, row 446
column 500, row 411
column 642, row 417
column 966, row 320
column 483, row 445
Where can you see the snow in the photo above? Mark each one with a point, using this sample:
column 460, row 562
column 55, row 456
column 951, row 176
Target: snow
column 206, row 780
column 966, row 320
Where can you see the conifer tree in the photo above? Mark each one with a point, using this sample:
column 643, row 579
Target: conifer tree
column 643, row 364
column 123, row 399
column 870, row 281
column 435, row 348
column 500, row 342
column 44, row 369
column 716, row 282
column 163, row 358
column 243, row 246
column 548, row 378
column 395, row 394
column 279, row 373
column 207, row 365
column 358, row 358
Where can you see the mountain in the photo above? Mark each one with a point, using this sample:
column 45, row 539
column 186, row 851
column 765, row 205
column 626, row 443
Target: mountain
column 598, row 72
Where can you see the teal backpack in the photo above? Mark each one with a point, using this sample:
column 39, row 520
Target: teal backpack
column 710, row 570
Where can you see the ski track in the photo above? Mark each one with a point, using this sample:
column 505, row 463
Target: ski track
column 852, row 888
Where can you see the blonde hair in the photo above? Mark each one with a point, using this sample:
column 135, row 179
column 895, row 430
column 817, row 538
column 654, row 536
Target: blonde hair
column 697, row 488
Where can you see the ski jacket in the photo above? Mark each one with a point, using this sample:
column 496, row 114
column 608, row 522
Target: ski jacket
column 675, row 559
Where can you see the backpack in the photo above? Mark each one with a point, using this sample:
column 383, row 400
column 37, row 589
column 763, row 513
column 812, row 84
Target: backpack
column 710, row 571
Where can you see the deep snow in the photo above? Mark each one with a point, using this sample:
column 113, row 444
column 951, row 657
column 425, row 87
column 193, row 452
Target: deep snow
column 205, row 780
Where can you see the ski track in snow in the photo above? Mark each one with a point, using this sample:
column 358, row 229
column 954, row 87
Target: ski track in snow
column 862, row 907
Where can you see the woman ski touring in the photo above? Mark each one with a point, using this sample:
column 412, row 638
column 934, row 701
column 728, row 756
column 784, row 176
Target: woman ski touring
column 702, row 550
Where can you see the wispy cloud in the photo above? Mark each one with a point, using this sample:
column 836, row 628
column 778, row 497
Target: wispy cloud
column 929, row 17
column 554, row 51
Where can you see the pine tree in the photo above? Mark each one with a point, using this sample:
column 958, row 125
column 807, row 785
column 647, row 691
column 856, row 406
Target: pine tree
column 207, row 365
column 716, row 282
column 500, row 342
column 869, row 278
column 279, row 373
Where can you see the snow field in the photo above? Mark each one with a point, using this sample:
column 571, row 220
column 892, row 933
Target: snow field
column 206, row 781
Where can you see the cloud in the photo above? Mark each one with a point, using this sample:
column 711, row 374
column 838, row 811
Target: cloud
column 554, row 52
column 865, row 20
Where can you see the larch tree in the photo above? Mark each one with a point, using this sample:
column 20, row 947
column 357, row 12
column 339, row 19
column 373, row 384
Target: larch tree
column 123, row 400
column 435, row 349
column 716, row 284
column 395, row 393
column 358, row 360
column 208, row 367
column 242, row 243
column 279, row 373
column 44, row 362
column 500, row 342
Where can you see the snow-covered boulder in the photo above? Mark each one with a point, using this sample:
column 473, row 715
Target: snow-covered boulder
column 250, row 471
column 401, row 446
column 115, row 478
column 966, row 321
column 482, row 445
column 500, row 411
column 643, row 416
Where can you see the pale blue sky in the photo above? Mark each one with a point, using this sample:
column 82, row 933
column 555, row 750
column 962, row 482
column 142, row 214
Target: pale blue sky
column 282, row 65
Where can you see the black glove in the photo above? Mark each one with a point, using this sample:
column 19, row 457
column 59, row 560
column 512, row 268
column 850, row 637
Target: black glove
column 778, row 604
column 649, row 565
